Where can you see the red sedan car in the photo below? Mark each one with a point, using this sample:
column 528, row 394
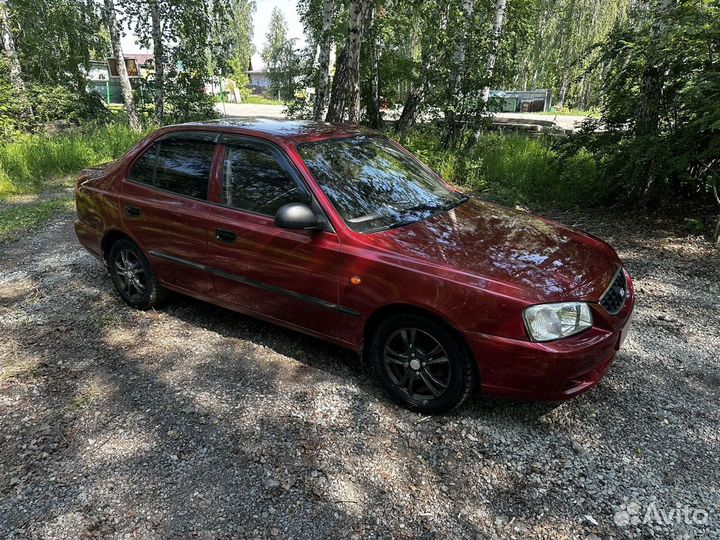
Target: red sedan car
column 339, row 232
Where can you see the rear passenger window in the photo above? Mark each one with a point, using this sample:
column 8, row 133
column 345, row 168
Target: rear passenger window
column 143, row 170
column 254, row 180
column 180, row 165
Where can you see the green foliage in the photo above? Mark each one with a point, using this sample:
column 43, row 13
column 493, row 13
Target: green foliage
column 553, row 44
column 284, row 64
column 28, row 162
column 513, row 169
column 660, row 136
column 55, row 102
column 11, row 109
column 56, row 38
column 20, row 219
column 239, row 47
column 186, row 100
column 262, row 100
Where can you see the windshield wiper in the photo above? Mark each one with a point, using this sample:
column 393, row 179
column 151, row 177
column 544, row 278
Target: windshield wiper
column 420, row 208
column 452, row 205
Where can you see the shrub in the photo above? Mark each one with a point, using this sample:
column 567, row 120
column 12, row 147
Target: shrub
column 186, row 100
column 513, row 169
column 55, row 102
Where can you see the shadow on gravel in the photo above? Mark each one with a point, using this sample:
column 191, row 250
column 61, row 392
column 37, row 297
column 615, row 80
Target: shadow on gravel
column 196, row 422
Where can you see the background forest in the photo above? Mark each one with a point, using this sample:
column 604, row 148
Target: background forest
column 648, row 72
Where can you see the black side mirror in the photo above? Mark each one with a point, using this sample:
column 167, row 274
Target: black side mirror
column 297, row 216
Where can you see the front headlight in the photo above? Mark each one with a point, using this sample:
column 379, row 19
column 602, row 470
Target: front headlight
column 546, row 322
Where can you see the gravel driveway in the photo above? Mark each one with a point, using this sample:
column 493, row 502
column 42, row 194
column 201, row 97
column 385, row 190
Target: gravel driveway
column 195, row 422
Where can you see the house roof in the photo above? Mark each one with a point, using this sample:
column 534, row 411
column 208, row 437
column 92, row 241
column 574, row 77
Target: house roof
column 140, row 58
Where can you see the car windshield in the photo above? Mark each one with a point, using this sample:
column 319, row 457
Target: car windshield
column 373, row 184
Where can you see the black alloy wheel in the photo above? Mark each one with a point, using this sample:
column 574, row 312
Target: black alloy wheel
column 422, row 364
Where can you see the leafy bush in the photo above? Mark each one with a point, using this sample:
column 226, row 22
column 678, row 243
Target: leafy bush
column 513, row 169
column 54, row 102
column 659, row 135
column 186, row 100
column 29, row 161
column 49, row 104
column 12, row 114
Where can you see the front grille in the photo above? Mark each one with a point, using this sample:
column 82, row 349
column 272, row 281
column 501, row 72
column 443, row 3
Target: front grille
column 614, row 298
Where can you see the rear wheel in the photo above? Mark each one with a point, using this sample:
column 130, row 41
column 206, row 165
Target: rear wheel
column 423, row 365
column 133, row 276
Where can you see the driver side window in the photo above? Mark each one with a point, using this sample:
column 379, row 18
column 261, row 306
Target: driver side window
column 255, row 181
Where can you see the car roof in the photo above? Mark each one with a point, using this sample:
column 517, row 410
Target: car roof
column 293, row 130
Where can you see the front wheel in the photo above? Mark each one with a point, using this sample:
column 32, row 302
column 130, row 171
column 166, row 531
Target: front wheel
column 133, row 276
column 423, row 365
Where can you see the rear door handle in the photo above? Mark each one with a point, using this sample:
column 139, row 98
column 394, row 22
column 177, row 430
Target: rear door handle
column 225, row 236
column 132, row 211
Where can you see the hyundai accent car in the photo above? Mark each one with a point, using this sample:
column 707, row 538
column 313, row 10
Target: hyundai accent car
column 339, row 232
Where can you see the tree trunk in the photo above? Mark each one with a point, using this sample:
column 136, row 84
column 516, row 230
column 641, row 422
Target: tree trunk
column 8, row 44
column 409, row 112
column 647, row 112
column 374, row 116
column 564, row 88
column 159, row 58
column 345, row 94
column 338, row 94
column 451, row 130
column 321, row 86
column 494, row 46
column 585, row 92
column 121, row 68
column 650, row 98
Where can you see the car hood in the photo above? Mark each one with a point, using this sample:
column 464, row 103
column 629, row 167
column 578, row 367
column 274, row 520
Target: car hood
column 511, row 248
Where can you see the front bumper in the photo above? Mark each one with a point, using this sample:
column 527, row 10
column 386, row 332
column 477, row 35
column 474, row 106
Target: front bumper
column 555, row 370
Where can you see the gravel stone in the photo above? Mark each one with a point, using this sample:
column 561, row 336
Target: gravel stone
column 191, row 421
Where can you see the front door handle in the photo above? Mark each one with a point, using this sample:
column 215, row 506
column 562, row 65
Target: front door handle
column 225, row 236
column 132, row 211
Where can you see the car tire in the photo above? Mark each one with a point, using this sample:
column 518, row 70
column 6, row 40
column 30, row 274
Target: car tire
column 422, row 364
column 133, row 276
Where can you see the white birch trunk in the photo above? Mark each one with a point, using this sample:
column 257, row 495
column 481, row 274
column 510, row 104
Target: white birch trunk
column 8, row 43
column 346, row 88
column 159, row 58
column 324, row 61
column 121, row 68
column 494, row 45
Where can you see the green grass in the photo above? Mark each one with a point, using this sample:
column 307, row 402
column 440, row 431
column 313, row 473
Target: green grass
column 18, row 220
column 594, row 113
column 514, row 169
column 28, row 162
column 261, row 100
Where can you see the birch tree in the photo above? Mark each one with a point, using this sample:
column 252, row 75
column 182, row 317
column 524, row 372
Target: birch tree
column 127, row 92
column 8, row 45
column 159, row 59
column 345, row 95
column 494, row 46
column 323, row 69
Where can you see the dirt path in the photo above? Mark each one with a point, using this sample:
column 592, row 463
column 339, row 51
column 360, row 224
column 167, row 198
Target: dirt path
column 194, row 422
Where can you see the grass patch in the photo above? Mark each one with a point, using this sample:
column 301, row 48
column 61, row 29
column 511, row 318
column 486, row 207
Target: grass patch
column 20, row 219
column 593, row 113
column 514, row 169
column 261, row 100
column 19, row 370
column 28, row 162
column 16, row 368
